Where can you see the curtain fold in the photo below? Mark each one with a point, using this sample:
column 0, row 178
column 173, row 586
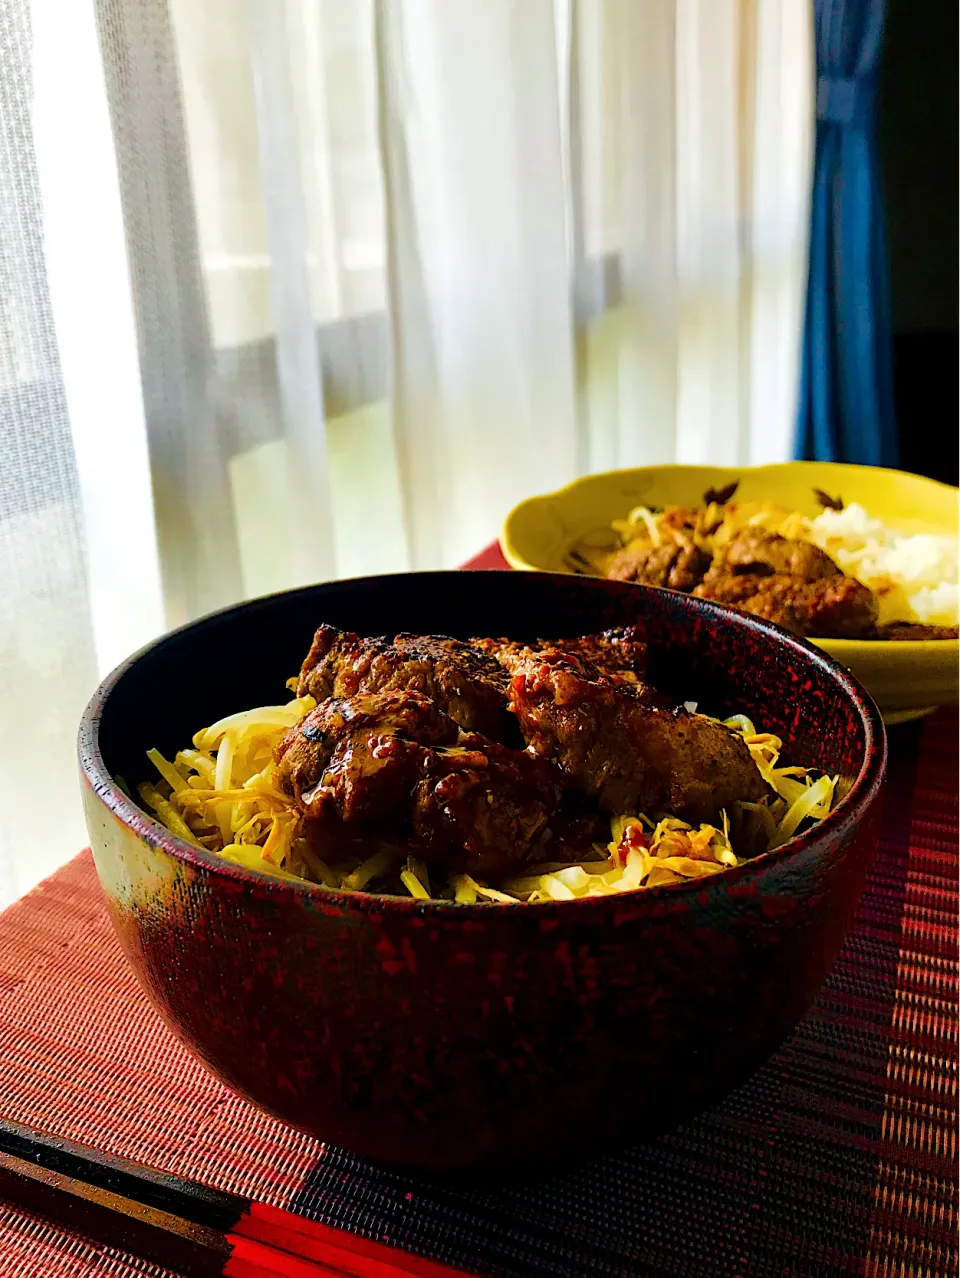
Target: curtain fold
column 47, row 647
column 195, row 525
column 695, row 355
column 299, row 380
column 645, row 38
column 846, row 408
column 483, row 403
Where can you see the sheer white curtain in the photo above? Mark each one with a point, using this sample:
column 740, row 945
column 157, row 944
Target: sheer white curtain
column 303, row 288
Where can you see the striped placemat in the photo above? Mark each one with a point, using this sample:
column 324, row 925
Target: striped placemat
column 837, row 1157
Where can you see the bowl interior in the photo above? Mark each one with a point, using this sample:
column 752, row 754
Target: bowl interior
column 241, row 658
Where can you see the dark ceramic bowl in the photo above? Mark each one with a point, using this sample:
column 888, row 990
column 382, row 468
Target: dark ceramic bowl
column 452, row 1035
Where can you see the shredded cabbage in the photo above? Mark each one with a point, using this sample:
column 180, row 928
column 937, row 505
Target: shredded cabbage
column 224, row 795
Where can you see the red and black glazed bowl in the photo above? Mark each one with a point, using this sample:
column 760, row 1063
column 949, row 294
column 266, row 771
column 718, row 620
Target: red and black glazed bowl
column 455, row 1035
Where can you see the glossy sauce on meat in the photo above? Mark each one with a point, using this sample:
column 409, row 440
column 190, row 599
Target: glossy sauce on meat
column 465, row 683
column 392, row 752
column 628, row 753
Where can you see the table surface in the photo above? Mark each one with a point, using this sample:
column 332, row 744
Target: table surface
column 837, row 1157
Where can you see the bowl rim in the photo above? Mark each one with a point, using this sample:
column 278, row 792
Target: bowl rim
column 840, row 821
column 905, row 647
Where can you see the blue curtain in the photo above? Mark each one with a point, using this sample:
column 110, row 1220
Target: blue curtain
column 846, row 383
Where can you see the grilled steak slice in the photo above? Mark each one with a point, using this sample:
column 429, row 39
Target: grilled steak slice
column 619, row 655
column 485, row 808
column 393, row 759
column 468, row 685
column 359, row 758
column 628, row 755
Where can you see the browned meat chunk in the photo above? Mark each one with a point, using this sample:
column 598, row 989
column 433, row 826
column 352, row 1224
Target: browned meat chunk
column 769, row 608
column 358, row 758
column 468, row 685
column 648, row 565
column 830, row 608
column 687, row 572
column 627, row 755
column 676, row 567
column 485, row 808
column 615, row 653
column 394, row 760
column 618, row 654
column 904, row 631
column 762, row 554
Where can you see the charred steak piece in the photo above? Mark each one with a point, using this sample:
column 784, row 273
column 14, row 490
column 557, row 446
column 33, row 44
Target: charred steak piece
column 466, row 684
column 485, row 808
column 628, row 755
column 394, row 759
column 359, row 758
column 620, row 654
column 828, row 608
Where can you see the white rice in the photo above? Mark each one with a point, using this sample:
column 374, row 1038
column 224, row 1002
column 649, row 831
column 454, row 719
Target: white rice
column 914, row 576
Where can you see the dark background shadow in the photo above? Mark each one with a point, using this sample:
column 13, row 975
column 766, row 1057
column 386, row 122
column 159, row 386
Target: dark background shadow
column 918, row 145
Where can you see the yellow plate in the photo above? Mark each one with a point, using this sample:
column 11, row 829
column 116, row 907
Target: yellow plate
column 905, row 679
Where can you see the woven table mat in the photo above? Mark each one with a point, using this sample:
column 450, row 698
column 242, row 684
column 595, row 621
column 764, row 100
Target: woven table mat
column 837, row 1157
column 31, row 1247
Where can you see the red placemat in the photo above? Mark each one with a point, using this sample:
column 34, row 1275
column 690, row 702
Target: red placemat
column 32, row 1247
column 490, row 557
column 837, row 1157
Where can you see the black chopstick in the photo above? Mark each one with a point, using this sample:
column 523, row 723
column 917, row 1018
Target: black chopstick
column 172, row 1223
column 178, row 1223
